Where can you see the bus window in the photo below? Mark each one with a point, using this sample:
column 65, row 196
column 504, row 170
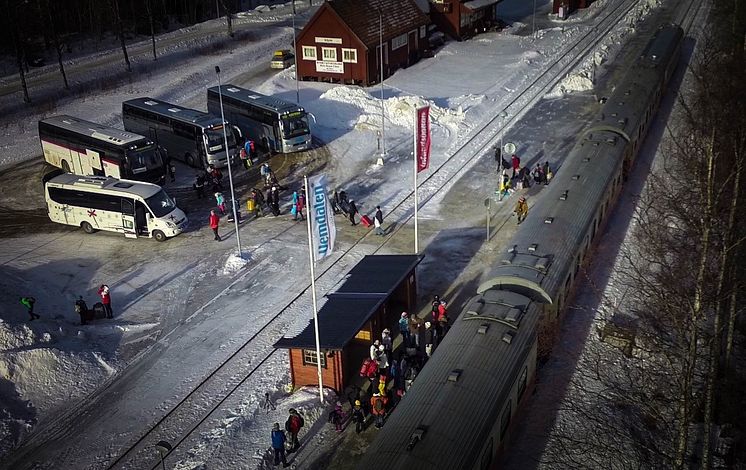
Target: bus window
column 294, row 125
column 160, row 203
column 128, row 208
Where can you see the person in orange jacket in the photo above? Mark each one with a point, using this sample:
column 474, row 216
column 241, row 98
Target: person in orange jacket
column 214, row 223
column 378, row 408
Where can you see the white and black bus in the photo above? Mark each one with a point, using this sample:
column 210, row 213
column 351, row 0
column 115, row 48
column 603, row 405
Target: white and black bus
column 93, row 203
column 187, row 134
column 278, row 125
column 89, row 149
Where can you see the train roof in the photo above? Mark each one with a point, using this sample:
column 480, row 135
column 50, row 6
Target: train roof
column 91, row 129
column 240, row 95
column 105, row 184
column 481, row 356
column 178, row 112
column 539, row 256
column 624, row 108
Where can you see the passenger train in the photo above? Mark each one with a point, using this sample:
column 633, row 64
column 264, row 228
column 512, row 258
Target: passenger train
column 459, row 411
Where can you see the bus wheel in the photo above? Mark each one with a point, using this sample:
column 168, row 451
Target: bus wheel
column 65, row 166
column 190, row 160
column 87, row 228
column 159, row 236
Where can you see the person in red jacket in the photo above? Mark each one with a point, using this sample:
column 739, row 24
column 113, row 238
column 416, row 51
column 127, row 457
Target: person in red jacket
column 103, row 291
column 214, row 223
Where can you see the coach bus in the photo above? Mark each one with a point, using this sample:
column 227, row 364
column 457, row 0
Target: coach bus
column 93, row 203
column 278, row 125
column 90, row 149
column 187, row 134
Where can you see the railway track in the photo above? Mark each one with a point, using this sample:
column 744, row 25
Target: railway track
column 235, row 375
column 237, row 372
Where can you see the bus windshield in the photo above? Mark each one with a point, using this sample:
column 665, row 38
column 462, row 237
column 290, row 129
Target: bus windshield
column 215, row 140
column 160, row 203
column 143, row 159
column 294, row 125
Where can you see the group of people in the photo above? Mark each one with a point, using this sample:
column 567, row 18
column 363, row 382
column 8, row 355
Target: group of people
column 513, row 176
column 80, row 306
column 341, row 204
column 293, row 425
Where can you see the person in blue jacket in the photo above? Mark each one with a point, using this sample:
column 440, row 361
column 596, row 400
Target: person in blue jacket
column 278, row 445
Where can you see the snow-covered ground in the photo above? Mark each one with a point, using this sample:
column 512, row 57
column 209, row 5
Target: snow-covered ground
column 183, row 306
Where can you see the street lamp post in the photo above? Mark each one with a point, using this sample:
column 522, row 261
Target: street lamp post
column 295, row 56
column 230, row 176
column 502, row 116
column 380, row 46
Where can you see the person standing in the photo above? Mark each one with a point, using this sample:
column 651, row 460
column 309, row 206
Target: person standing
column 293, row 425
column 515, row 163
column 378, row 221
column 387, row 342
column 301, row 204
column 378, row 408
column 220, row 202
column 547, row 173
column 29, row 302
column 521, row 209
column 274, row 200
column 214, row 224
column 81, row 309
column 429, row 339
column 278, row 445
column 103, row 291
column 414, row 331
column 358, row 416
column 199, row 185
column 352, row 211
column 404, row 328
column 172, row 171
column 258, row 198
column 383, row 361
column 243, row 154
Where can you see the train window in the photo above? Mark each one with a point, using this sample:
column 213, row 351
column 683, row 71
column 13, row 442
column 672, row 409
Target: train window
column 505, row 421
column 522, row 382
column 487, row 456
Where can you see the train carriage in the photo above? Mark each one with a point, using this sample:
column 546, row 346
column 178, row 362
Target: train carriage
column 458, row 413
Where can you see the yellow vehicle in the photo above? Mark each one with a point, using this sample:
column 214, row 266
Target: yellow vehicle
column 282, row 59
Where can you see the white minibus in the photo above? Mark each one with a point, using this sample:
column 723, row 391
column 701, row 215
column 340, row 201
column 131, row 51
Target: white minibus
column 134, row 208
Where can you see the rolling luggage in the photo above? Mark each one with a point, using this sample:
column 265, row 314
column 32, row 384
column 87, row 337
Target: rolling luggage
column 365, row 220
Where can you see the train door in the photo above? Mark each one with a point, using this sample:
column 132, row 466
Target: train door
column 128, row 218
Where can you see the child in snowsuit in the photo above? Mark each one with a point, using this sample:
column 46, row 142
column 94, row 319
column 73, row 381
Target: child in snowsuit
column 521, row 209
column 278, row 445
column 358, row 415
column 220, row 202
column 337, row 416
column 28, row 302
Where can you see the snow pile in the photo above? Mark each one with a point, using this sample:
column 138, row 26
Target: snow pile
column 42, row 370
column 399, row 110
column 583, row 77
column 234, row 263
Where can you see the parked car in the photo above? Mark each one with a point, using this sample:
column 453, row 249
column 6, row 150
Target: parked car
column 282, row 59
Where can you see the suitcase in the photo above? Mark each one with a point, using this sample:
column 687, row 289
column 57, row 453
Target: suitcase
column 365, row 220
column 250, row 205
column 369, row 368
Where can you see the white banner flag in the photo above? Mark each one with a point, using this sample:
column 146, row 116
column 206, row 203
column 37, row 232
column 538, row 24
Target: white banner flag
column 323, row 230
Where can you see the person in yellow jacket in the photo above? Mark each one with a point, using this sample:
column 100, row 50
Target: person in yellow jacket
column 521, row 209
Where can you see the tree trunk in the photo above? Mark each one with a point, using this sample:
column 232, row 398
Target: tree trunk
column 120, row 32
column 682, row 439
column 228, row 18
column 149, row 10
column 57, row 45
column 19, row 53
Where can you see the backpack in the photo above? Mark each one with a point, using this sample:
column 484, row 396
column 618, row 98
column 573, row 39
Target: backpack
column 378, row 405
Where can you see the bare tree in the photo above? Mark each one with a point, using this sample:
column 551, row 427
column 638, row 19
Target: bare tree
column 149, row 10
column 120, row 32
column 56, row 41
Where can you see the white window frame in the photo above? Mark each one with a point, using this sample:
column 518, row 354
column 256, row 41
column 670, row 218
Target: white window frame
column 306, row 50
column 352, row 52
column 325, row 50
column 399, row 41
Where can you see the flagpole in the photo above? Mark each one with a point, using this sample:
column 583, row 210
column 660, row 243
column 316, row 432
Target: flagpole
column 313, row 289
column 414, row 154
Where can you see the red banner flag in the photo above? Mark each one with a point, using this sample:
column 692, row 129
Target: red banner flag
column 422, row 138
